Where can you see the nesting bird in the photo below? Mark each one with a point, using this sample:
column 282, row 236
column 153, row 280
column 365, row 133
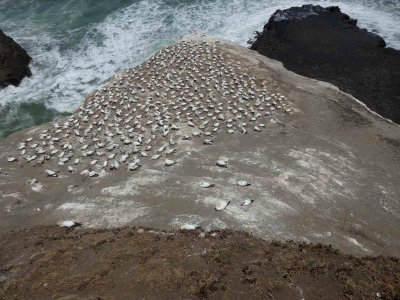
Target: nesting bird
column 222, row 163
column 247, row 202
column 69, row 224
column 222, row 205
column 205, row 184
column 243, row 183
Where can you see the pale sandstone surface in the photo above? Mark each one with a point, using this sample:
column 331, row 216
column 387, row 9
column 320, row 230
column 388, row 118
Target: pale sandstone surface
column 326, row 172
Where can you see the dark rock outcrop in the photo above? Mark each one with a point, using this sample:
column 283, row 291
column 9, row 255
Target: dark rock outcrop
column 14, row 62
column 325, row 44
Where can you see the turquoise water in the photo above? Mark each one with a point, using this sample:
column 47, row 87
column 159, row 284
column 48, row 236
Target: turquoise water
column 78, row 45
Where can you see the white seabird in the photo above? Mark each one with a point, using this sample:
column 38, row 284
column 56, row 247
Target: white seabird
column 69, row 224
column 222, row 205
column 205, row 184
column 222, row 163
column 169, row 162
column 243, row 183
column 247, row 202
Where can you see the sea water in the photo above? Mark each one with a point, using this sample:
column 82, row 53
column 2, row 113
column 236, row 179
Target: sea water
column 78, row 45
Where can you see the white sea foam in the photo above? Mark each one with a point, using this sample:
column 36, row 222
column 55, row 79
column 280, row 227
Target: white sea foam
column 62, row 77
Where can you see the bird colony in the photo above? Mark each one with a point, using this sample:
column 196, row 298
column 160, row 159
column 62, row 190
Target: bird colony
column 185, row 92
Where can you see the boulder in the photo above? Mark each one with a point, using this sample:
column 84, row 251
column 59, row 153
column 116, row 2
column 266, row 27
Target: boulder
column 14, row 62
column 326, row 44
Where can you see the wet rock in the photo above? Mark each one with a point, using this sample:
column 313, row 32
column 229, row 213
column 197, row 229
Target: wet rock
column 325, row 44
column 14, row 62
